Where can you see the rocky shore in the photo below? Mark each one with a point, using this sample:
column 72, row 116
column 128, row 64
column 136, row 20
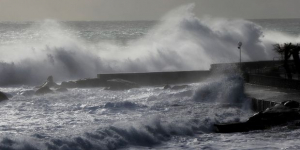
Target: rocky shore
column 282, row 114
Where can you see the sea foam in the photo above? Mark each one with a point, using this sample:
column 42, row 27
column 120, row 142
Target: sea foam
column 180, row 41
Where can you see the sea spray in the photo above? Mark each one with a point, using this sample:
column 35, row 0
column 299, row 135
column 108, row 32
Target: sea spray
column 180, row 41
column 226, row 89
column 94, row 118
column 147, row 133
column 141, row 118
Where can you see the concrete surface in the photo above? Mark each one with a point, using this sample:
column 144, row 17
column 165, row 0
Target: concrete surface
column 273, row 94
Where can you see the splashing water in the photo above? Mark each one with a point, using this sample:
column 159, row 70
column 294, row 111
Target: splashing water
column 88, row 119
column 180, row 41
column 141, row 118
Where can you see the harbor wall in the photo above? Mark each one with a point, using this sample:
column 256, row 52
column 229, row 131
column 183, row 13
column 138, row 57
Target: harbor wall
column 159, row 78
column 260, row 105
column 248, row 69
column 253, row 72
column 273, row 81
column 179, row 77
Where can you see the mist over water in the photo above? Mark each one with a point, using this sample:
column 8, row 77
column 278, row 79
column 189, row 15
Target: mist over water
column 138, row 118
column 180, row 41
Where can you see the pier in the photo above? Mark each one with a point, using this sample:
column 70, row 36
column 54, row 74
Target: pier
column 159, row 78
column 264, row 91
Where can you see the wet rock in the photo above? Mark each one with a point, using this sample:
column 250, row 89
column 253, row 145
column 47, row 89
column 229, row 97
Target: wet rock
column 291, row 104
column 3, row 96
column 69, row 84
column 26, row 92
column 167, row 87
column 280, row 114
column 90, row 82
column 61, row 89
column 175, row 87
column 8, row 95
column 43, row 90
column 179, row 87
column 121, row 105
column 120, row 84
column 84, row 83
column 49, row 83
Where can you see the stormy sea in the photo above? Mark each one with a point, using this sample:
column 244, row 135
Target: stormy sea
column 149, row 117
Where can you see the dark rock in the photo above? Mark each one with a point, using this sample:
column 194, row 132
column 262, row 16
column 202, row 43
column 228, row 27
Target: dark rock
column 179, row 87
column 91, row 82
column 43, row 90
column 167, row 87
column 69, row 84
column 3, row 96
column 175, row 87
column 84, row 83
column 26, row 92
column 280, row 114
column 49, row 83
column 291, row 104
column 61, row 89
column 121, row 105
column 8, row 95
column 120, row 84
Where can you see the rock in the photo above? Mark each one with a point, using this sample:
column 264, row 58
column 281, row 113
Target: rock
column 175, row 87
column 120, row 84
column 90, row 82
column 69, row 84
column 61, row 89
column 49, row 83
column 3, row 96
column 43, row 90
column 121, row 105
column 291, row 104
column 26, row 92
column 280, row 114
column 167, row 87
column 179, row 87
column 8, row 95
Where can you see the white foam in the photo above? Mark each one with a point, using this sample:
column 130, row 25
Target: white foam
column 180, row 41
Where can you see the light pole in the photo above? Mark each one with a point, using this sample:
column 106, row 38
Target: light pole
column 240, row 48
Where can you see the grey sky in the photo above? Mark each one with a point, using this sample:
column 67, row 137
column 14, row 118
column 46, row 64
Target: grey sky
column 23, row 10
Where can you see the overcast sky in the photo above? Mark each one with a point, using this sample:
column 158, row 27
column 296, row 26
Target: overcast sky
column 25, row 10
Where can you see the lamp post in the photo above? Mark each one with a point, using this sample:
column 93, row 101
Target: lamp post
column 240, row 48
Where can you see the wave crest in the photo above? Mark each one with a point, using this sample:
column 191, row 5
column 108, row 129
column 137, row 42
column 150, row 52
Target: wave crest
column 180, row 41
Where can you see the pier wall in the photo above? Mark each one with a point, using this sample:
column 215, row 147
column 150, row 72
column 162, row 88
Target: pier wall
column 273, row 81
column 181, row 77
column 178, row 77
column 260, row 105
column 250, row 67
column 159, row 78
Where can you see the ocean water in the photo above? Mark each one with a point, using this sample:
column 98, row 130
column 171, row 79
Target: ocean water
column 141, row 118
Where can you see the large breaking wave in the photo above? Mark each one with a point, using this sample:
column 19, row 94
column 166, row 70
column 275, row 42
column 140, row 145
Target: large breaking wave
column 180, row 41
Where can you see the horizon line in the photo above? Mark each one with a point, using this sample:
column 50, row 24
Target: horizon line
column 3, row 21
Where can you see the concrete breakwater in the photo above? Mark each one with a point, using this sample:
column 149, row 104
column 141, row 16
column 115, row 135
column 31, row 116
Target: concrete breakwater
column 143, row 79
column 175, row 77
column 159, row 78
column 260, row 105
column 273, row 81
